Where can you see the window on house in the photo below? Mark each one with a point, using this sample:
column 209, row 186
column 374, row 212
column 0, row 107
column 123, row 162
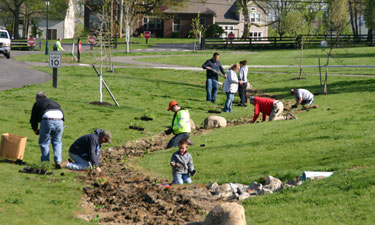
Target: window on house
column 151, row 23
column 254, row 17
column 230, row 28
column 202, row 21
column 177, row 24
column 253, row 9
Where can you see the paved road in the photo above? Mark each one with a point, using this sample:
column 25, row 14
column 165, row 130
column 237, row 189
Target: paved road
column 17, row 74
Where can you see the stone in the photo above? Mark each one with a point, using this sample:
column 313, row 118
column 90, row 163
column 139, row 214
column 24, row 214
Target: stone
column 229, row 213
column 211, row 187
column 255, row 186
column 192, row 125
column 234, row 187
column 265, row 191
column 215, row 122
column 242, row 188
column 244, row 196
column 224, row 191
column 273, row 183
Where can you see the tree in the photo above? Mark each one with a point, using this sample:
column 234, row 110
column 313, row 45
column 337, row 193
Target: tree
column 14, row 7
column 355, row 11
column 336, row 20
column 280, row 9
column 370, row 18
column 197, row 29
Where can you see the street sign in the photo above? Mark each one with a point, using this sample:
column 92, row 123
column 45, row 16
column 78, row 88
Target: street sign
column 147, row 34
column 231, row 36
column 54, row 59
column 31, row 41
column 79, row 46
column 91, row 40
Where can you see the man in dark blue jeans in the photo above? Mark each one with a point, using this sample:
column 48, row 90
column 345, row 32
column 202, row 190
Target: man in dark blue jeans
column 50, row 116
column 213, row 66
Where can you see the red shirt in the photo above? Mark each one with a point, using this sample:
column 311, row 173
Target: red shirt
column 263, row 105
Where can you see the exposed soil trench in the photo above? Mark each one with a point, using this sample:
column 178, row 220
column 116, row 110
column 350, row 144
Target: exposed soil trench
column 125, row 196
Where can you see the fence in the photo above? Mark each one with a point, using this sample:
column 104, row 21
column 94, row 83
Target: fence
column 281, row 43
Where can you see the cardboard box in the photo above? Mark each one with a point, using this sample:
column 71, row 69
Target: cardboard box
column 12, row 146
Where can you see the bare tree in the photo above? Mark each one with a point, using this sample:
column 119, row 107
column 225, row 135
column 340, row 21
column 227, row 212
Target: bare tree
column 355, row 12
column 337, row 20
column 244, row 7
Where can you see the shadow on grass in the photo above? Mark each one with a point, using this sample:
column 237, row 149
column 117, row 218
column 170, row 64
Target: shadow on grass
column 352, row 86
column 343, row 55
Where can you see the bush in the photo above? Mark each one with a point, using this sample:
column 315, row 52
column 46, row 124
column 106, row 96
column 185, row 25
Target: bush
column 214, row 31
column 176, row 34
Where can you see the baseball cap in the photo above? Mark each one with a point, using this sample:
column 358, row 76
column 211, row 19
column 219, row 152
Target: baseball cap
column 107, row 134
column 171, row 104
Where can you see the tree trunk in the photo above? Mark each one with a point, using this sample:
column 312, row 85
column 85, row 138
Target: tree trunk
column 16, row 22
column 369, row 35
column 121, row 17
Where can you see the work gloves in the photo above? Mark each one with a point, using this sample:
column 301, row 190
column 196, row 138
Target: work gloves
column 169, row 131
column 294, row 106
column 192, row 173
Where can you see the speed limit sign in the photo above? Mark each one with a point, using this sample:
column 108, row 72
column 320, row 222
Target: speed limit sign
column 54, row 59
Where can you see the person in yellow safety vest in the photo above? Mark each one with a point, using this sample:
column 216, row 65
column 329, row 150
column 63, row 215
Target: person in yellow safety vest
column 57, row 46
column 180, row 125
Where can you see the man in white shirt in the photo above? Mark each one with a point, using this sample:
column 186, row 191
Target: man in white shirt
column 303, row 97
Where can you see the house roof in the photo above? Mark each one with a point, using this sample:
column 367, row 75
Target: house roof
column 224, row 11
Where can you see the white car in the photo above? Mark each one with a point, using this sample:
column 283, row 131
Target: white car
column 5, row 43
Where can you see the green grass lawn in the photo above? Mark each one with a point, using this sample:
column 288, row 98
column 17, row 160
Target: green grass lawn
column 342, row 56
column 54, row 199
column 338, row 136
column 340, row 139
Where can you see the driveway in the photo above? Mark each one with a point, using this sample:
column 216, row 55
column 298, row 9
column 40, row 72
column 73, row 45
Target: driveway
column 17, row 74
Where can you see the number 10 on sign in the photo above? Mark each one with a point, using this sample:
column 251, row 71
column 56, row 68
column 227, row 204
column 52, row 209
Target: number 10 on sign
column 54, row 59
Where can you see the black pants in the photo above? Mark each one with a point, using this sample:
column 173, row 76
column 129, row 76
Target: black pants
column 176, row 139
column 242, row 92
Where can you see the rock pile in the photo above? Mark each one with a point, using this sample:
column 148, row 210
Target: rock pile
column 233, row 191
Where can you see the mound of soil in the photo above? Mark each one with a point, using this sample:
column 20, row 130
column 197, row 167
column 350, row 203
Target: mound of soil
column 101, row 103
column 126, row 196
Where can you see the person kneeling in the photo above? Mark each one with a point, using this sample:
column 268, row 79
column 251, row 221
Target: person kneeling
column 85, row 151
column 182, row 164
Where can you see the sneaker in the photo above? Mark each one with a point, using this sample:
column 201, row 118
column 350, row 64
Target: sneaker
column 189, row 142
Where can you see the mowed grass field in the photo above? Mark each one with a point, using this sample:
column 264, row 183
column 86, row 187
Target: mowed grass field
column 341, row 56
column 54, row 199
column 338, row 136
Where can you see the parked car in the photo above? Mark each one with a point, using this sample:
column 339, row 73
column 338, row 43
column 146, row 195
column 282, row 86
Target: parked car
column 5, row 43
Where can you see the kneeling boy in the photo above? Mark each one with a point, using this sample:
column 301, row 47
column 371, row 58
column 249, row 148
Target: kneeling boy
column 182, row 164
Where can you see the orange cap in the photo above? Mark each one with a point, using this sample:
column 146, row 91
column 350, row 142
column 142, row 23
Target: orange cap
column 171, row 104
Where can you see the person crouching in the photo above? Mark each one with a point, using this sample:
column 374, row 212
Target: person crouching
column 85, row 151
column 182, row 164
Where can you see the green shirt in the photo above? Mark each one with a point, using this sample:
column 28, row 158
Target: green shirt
column 58, row 45
column 181, row 122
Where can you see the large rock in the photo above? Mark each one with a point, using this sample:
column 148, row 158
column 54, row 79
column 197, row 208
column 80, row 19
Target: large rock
column 255, row 186
column 212, row 187
column 215, row 122
column 273, row 184
column 224, row 191
column 229, row 213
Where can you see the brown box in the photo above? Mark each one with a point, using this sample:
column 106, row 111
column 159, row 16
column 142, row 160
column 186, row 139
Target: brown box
column 12, row 146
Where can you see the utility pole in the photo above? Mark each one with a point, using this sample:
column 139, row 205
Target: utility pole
column 46, row 52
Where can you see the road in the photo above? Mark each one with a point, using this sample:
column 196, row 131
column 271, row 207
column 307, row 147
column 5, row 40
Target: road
column 17, row 74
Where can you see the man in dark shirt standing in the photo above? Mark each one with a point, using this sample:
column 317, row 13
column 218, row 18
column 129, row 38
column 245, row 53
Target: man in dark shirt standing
column 50, row 116
column 212, row 66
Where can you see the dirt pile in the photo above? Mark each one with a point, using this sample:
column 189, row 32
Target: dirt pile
column 126, row 196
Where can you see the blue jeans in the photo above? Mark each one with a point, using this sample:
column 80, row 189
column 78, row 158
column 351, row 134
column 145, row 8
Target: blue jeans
column 229, row 102
column 176, row 139
column 211, row 88
column 180, row 178
column 51, row 130
column 78, row 164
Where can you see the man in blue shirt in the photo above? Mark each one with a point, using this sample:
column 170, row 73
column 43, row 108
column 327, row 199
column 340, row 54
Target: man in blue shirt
column 213, row 66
